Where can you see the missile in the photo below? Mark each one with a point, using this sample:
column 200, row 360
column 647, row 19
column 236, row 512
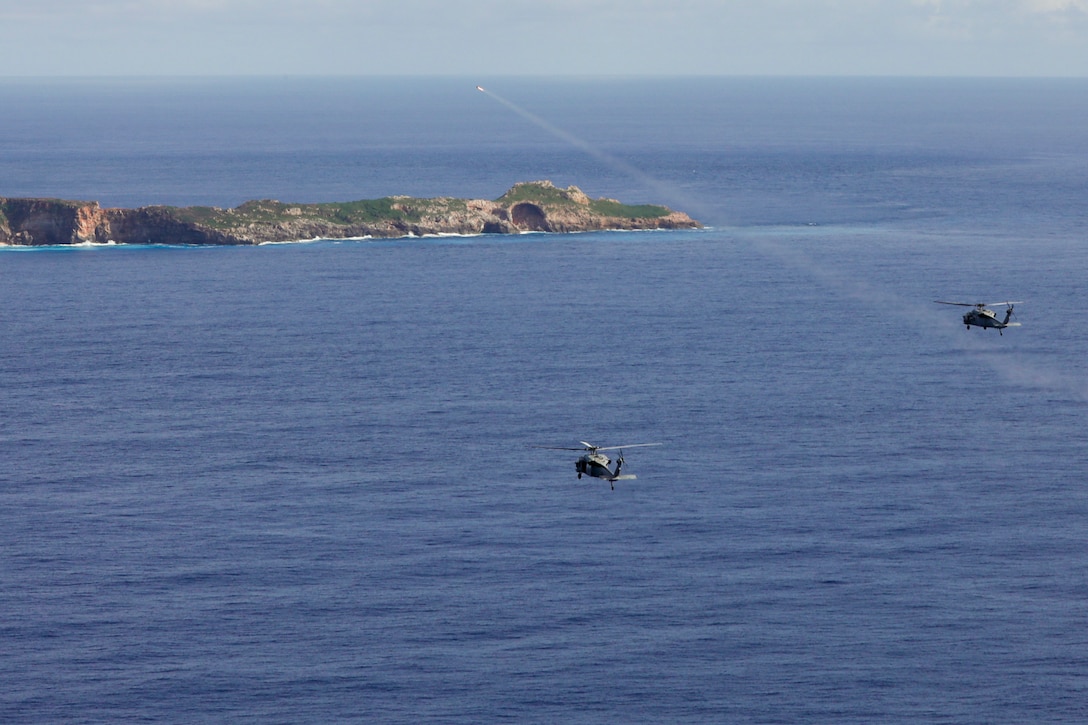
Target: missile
column 481, row 89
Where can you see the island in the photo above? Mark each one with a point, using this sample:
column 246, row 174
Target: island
column 536, row 206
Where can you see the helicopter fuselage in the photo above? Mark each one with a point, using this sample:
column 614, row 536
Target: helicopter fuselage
column 981, row 318
column 985, row 317
column 594, row 464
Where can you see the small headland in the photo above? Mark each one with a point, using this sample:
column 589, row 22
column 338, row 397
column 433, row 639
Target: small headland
column 537, row 206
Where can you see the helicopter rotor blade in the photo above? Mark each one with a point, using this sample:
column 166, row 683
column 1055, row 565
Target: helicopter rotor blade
column 976, row 304
column 592, row 448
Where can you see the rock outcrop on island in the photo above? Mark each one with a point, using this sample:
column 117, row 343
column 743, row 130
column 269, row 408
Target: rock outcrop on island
column 537, row 206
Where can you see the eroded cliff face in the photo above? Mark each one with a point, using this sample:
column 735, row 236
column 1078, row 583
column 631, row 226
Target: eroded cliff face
column 158, row 225
column 531, row 206
column 50, row 222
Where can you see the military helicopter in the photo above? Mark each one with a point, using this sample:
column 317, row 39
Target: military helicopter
column 982, row 316
column 596, row 464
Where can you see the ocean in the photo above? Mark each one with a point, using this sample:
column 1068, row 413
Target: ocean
column 302, row 482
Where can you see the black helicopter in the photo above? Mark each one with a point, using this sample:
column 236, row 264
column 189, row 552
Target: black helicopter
column 982, row 316
column 596, row 464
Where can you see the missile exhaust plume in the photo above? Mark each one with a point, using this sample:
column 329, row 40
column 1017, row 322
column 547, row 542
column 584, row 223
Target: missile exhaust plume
column 659, row 187
column 1009, row 368
column 909, row 312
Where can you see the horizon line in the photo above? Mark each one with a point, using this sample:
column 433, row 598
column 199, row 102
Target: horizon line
column 541, row 76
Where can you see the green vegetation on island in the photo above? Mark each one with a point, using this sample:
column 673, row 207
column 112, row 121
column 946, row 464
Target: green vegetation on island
column 533, row 206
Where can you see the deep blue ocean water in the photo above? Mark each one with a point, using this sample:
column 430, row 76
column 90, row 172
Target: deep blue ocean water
column 297, row 483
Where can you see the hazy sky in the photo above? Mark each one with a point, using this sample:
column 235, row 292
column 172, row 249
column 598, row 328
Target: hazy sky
column 486, row 38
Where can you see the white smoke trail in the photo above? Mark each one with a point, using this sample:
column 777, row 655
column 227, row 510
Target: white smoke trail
column 1013, row 371
column 670, row 194
column 1008, row 367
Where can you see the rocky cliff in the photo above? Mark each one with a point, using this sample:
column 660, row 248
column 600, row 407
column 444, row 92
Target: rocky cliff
column 50, row 221
column 532, row 206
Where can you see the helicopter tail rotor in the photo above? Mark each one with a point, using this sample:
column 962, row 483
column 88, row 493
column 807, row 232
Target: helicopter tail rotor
column 615, row 476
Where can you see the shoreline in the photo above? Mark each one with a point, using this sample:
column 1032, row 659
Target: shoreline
column 112, row 244
column 527, row 207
